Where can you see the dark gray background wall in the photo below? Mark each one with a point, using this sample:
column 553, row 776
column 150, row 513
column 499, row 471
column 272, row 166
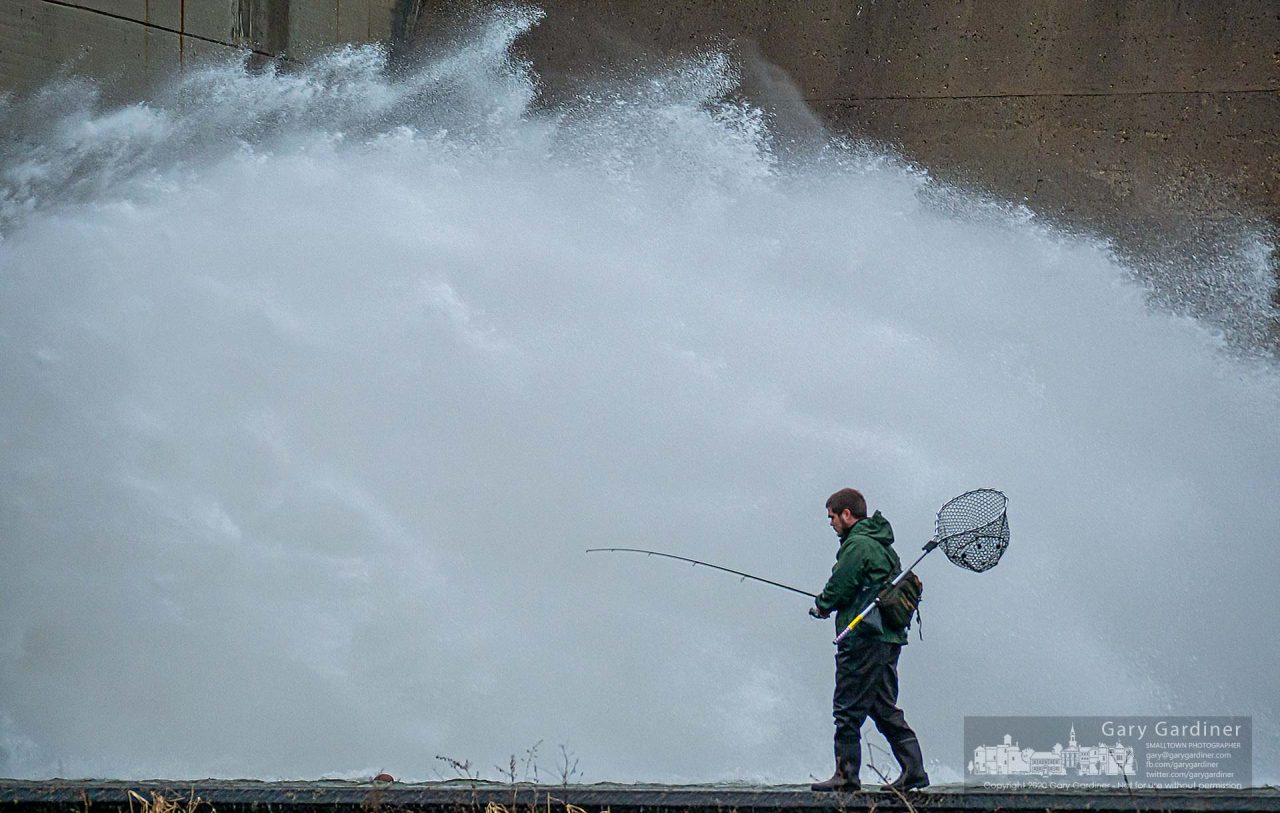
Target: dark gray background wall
column 1155, row 120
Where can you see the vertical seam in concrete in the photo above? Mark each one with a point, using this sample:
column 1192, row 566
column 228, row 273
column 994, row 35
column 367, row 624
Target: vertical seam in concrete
column 182, row 34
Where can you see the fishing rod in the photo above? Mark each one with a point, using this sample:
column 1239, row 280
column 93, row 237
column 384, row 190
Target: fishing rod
column 695, row 563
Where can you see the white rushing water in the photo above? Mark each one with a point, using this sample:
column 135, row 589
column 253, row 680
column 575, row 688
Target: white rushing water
column 314, row 387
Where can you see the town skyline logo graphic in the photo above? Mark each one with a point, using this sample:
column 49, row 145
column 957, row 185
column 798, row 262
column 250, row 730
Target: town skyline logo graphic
column 1010, row 758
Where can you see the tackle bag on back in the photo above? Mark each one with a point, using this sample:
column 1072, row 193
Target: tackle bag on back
column 899, row 602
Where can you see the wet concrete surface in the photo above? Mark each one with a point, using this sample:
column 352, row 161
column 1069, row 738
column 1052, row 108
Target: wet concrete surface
column 332, row 796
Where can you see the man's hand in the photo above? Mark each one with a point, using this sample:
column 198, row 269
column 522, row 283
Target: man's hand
column 816, row 613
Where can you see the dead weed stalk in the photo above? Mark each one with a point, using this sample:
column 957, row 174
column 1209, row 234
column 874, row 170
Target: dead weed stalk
column 159, row 803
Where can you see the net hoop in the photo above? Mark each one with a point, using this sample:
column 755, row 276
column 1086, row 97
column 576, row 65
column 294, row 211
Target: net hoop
column 973, row 529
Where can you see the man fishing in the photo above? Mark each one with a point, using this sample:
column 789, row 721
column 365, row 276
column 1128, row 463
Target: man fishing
column 971, row 529
column 867, row 659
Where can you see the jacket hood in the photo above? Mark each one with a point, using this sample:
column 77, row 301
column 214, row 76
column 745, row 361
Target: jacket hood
column 873, row 527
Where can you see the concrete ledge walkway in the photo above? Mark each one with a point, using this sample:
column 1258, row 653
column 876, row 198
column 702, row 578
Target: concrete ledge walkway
column 462, row 796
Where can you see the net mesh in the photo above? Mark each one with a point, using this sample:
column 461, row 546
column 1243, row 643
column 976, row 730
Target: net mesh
column 973, row 529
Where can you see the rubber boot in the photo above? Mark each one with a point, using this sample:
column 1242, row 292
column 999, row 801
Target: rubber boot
column 910, row 781
column 913, row 776
column 845, row 778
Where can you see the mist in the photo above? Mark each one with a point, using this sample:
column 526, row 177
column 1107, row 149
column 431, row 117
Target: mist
column 316, row 385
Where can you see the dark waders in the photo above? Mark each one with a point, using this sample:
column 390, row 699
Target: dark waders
column 867, row 686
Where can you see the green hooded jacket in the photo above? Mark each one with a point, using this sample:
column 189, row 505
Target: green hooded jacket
column 865, row 563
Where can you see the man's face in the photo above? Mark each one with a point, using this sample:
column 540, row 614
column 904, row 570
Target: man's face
column 840, row 522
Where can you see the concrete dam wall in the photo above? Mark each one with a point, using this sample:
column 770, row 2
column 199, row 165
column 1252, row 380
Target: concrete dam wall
column 1156, row 121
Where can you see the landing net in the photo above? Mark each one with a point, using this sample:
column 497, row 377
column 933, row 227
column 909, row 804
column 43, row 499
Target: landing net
column 973, row 529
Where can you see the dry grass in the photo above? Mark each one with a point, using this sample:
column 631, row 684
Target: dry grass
column 159, row 803
column 494, row 807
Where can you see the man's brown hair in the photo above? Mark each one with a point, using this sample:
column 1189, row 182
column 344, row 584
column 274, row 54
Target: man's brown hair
column 849, row 498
